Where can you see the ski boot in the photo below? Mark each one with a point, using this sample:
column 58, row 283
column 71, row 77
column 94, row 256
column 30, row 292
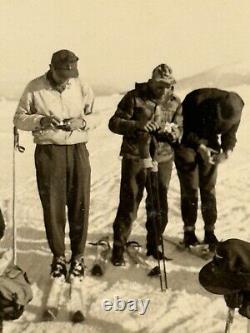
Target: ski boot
column 117, row 258
column 210, row 239
column 155, row 253
column 190, row 238
column 77, row 268
column 58, row 268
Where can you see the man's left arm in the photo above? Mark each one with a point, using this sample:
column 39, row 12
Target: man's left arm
column 89, row 98
column 228, row 142
column 88, row 102
column 228, row 139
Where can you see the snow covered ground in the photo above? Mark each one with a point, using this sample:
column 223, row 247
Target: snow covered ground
column 186, row 307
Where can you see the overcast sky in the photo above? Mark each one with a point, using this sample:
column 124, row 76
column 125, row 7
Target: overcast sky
column 120, row 41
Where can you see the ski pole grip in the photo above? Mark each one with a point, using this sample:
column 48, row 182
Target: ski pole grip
column 21, row 149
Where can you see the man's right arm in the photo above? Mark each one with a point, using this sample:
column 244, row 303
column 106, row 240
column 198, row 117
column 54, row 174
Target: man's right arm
column 121, row 122
column 25, row 117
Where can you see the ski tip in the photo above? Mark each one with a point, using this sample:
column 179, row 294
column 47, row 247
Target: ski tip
column 78, row 317
column 96, row 270
column 155, row 271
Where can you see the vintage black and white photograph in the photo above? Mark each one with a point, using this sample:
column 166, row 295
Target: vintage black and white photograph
column 124, row 142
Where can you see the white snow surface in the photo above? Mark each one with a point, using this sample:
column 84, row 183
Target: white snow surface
column 186, row 307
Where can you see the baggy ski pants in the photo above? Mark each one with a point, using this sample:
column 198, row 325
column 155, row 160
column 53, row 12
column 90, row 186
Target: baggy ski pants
column 133, row 182
column 63, row 178
column 194, row 175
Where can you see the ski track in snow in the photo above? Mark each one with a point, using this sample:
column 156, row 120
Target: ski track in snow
column 186, row 307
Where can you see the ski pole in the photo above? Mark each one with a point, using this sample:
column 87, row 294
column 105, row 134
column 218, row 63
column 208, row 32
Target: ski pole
column 158, row 234
column 150, row 193
column 157, row 206
column 164, row 262
column 148, row 152
column 161, row 241
column 229, row 321
column 21, row 149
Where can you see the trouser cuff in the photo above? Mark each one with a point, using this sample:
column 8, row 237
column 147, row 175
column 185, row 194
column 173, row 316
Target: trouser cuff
column 78, row 256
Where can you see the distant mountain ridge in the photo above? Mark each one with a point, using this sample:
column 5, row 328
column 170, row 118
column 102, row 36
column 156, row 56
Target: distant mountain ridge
column 224, row 76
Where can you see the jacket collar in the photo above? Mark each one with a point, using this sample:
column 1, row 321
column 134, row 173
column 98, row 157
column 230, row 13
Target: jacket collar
column 143, row 90
column 53, row 84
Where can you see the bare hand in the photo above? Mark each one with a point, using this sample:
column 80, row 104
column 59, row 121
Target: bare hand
column 149, row 126
column 49, row 122
column 220, row 158
column 74, row 124
column 207, row 154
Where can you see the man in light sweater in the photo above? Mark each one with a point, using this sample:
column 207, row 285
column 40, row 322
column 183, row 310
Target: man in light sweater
column 53, row 106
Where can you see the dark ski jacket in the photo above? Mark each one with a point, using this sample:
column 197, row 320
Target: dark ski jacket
column 209, row 113
column 124, row 121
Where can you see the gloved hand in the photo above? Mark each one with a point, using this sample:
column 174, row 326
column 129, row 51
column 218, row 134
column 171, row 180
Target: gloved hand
column 49, row 122
column 149, row 126
column 207, row 154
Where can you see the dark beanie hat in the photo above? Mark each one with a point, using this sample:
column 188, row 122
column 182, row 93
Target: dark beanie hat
column 65, row 63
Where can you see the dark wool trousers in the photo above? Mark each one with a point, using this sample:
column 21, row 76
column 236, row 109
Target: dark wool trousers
column 194, row 175
column 63, row 178
column 133, row 181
